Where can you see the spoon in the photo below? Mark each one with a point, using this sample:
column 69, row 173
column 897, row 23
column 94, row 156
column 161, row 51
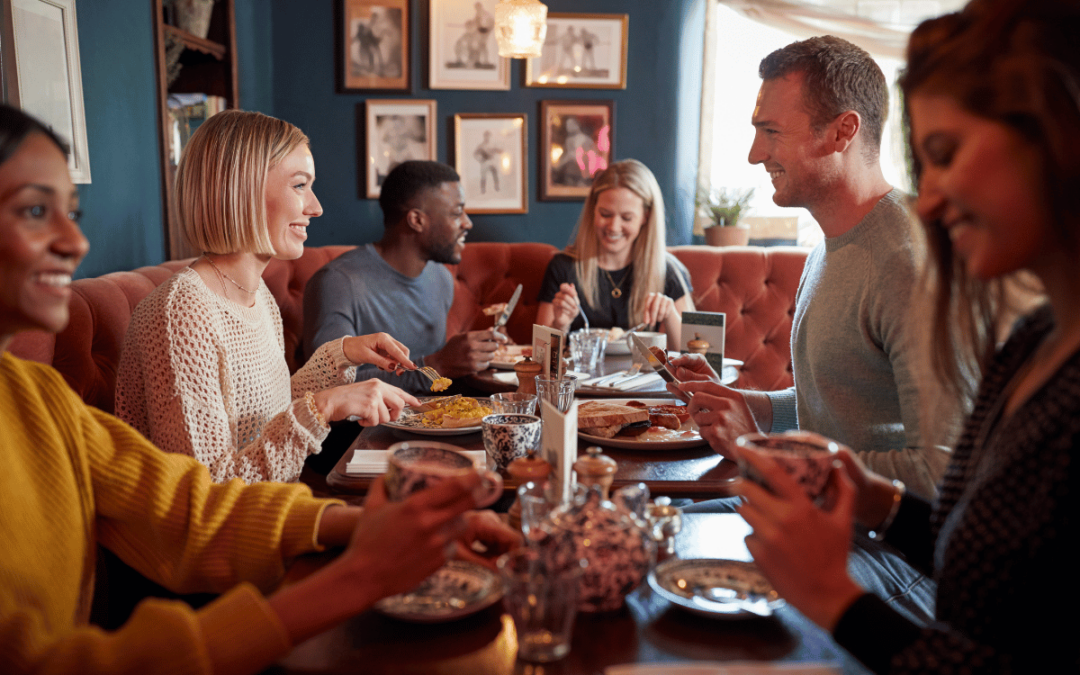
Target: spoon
column 727, row 599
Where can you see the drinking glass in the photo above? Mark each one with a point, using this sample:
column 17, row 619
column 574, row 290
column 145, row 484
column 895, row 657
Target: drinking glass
column 542, row 601
column 514, row 403
column 587, row 349
column 560, row 393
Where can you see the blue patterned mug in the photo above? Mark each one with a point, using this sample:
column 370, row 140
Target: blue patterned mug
column 509, row 436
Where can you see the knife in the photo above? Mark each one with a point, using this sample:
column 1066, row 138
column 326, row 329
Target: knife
column 650, row 358
column 505, row 316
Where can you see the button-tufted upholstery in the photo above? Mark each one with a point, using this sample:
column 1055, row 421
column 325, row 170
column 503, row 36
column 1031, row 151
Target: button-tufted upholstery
column 755, row 286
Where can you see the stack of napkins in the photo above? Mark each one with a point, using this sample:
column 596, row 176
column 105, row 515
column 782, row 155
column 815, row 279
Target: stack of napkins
column 511, row 377
column 374, row 461
column 641, row 380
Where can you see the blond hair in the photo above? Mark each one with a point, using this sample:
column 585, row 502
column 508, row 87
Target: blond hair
column 221, row 180
column 649, row 254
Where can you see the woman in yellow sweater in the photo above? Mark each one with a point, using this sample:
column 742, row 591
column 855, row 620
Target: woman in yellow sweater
column 74, row 477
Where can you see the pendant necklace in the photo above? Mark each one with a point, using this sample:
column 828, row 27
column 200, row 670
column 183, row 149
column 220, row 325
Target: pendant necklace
column 616, row 292
column 234, row 282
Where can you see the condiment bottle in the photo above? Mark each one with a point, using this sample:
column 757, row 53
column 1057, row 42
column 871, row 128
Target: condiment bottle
column 527, row 370
column 596, row 468
column 532, row 468
column 698, row 345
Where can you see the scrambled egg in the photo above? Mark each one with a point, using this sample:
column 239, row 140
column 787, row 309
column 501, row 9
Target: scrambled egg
column 451, row 415
column 441, row 384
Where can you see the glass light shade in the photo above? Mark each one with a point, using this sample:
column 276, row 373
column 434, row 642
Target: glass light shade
column 520, row 28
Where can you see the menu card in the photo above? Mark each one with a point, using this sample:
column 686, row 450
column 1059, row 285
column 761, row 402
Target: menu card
column 548, row 346
column 708, row 326
column 558, row 446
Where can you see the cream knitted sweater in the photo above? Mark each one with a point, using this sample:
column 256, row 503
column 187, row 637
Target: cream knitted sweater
column 203, row 376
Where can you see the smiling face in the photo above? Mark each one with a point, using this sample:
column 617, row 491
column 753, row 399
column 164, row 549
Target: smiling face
column 618, row 218
column 448, row 224
column 980, row 181
column 799, row 159
column 40, row 241
column 291, row 203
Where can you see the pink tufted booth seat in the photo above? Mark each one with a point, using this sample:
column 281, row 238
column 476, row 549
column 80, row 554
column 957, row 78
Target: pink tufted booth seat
column 754, row 286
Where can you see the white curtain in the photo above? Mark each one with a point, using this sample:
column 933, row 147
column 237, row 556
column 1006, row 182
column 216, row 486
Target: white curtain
column 881, row 27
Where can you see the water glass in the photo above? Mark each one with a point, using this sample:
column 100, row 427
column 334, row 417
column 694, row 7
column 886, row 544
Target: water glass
column 587, row 349
column 514, row 403
column 560, row 393
column 542, row 601
column 532, row 497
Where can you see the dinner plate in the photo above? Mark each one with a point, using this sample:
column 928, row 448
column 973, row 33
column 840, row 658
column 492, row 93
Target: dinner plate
column 508, row 356
column 436, row 431
column 617, row 347
column 724, row 589
column 457, row 589
column 635, row 444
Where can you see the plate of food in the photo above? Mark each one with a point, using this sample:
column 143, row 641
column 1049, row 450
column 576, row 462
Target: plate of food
column 616, row 342
column 455, row 590
column 444, row 416
column 725, row 589
column 638, row 424
column 507, row 356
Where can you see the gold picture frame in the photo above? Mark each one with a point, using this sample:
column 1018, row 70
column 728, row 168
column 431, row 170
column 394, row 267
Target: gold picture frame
column 462, row 52
column 396, row 131
column 490, row 155
column 373, row 45
column 577, row 140
column 581, row 51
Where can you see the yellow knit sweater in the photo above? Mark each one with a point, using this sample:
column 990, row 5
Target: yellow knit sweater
column 72, row 477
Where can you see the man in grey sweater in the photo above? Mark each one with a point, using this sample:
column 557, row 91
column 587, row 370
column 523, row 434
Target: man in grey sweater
column 859, row 367
column 399, row 285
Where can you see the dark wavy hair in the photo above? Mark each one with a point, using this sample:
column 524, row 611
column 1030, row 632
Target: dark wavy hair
column 839, row 76
column 16, row 126
column 1014, row 62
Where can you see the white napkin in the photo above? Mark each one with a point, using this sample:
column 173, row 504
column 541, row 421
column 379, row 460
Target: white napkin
column 511, row 378
column 714, row 668
column 374, row 461
column 638, row 382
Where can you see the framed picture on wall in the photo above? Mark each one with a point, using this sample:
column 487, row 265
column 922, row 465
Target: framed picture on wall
column 374, row 45
column 396, row 131
column 41, row 71
column 581, row 51
column 462, row 49
column 576, row 142
column 489, row 154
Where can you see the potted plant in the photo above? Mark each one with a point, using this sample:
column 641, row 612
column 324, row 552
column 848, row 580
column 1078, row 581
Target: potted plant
column 723, row 208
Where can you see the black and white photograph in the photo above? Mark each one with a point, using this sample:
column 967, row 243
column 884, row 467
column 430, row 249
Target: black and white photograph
column 583, row 51
column 462, row 48
column 396, row 131
column 376, row 45
column 489, row 154
column 575, row 144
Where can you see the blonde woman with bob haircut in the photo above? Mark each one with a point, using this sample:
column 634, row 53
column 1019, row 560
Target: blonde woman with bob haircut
column 203, row 370
column 618, row 271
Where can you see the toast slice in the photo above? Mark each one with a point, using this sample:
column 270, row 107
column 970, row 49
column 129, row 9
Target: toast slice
column 592, row 414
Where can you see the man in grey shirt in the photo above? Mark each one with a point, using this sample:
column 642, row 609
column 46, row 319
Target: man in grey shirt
column 399, row 285
column 859, row 367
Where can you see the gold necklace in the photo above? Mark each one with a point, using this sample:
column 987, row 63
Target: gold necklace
column 616, row 292
column 222, row 274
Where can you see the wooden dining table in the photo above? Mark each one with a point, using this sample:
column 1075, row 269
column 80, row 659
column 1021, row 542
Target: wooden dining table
column 647, row 630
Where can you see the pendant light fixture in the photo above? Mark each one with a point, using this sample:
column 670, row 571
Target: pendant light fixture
column 520, row 28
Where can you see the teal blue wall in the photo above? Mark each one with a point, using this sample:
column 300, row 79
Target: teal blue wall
column 286, row 63
column 656, row 116
column 122, row 206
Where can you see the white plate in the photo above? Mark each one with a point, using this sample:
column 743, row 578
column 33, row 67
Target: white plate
column 715, row 588
column 618, row 347
column 455, row 590
column 438, row 431
column 635, row 444
column 509, row 355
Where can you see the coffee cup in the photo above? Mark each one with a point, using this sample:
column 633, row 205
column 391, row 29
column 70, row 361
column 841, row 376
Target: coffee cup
column 415, row 465
column 651, row 339
column 507, row 437
column 806, row 456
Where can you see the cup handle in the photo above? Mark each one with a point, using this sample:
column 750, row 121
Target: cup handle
column 489, row 490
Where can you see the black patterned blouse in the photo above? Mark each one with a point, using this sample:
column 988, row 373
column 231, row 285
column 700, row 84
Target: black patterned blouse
column 997, row 540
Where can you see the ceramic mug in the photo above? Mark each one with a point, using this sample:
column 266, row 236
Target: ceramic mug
column 507, row 437
column 415, row 465
column 807, row 456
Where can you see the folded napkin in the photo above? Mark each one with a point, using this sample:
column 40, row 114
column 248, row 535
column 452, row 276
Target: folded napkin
column 511, row 378
column 714, row 668
column 374, row 461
